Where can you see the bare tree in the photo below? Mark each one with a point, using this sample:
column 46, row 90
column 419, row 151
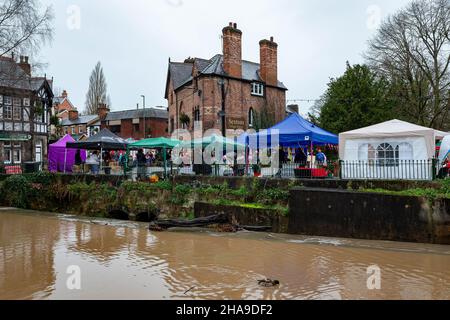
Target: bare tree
column 412, row 50
column 97, row 93
column 24, row 26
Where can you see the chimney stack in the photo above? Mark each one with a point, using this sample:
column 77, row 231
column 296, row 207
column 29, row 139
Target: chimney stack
column 269, row 61
column 64, row 94
column 232, row 50
column 103, row 111
column 73, row 114
column 23, row 63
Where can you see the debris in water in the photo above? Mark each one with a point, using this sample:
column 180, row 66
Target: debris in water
column 268, row 283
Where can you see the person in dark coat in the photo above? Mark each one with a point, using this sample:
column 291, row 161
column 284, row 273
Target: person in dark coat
column 78, row 160
column 141, row 163
column 300, row 157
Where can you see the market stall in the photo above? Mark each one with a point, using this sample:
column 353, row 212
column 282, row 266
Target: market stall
column 61, row 158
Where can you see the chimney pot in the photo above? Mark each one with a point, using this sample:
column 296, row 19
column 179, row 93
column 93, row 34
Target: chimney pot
column 232, row 51
column 231, row 24
column 269, row 61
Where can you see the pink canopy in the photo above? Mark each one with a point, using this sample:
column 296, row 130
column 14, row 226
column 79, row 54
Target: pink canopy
column 58, row 154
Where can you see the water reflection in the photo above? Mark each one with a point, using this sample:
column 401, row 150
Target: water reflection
column 120, row 262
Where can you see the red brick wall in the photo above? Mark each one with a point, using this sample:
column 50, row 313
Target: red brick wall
column 158, row 128
column 238, row 102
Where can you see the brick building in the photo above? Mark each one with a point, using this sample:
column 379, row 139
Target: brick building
column 25, row 106
column 80, row 127
column 62, row 105
column 226, row 90
column 133, row 123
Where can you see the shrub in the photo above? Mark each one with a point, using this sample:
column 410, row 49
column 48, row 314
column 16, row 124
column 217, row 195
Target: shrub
column 17, row 191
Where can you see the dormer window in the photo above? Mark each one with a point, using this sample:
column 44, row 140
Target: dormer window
column 257, row 89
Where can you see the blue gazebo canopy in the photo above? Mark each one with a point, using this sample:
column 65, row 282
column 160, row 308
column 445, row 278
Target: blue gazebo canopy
column 293, row 132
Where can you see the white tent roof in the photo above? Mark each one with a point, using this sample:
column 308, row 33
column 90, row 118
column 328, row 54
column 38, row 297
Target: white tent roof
column 394, row 128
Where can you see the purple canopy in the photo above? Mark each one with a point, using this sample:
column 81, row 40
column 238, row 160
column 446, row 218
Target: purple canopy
column 57, row 155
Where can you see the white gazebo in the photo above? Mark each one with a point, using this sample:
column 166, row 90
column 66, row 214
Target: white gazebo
column 391, row 150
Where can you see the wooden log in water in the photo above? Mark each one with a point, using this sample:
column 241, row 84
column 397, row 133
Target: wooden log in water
column 160, row 225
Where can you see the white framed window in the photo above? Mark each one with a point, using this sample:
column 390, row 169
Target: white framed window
column 7, row 112
column 26, row 102
column 17, row 113
column 7, row 101
column 80, row 129
column 387, row 155
column 1, row 126
column 1, row 112
column 257, row 89
column 1, row 99
column 17, row 155
column 72, row 130
column 251, row 117
column 17, row 102
column 8, row 126
column 7, row 153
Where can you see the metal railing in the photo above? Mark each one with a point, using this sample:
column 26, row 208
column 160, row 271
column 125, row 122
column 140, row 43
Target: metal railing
column 389, row 170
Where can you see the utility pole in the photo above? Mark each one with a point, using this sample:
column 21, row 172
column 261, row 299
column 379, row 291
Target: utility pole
column 145, row 124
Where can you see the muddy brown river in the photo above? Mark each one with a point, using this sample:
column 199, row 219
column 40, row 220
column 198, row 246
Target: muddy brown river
column 122, row 260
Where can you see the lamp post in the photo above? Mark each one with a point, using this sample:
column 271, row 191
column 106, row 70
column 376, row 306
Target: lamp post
column 145, row 125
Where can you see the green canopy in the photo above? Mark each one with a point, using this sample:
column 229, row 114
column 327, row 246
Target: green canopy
column 211, row 140
column 155, row 143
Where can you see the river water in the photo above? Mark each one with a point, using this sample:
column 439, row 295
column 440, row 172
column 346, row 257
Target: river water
column 122, row 260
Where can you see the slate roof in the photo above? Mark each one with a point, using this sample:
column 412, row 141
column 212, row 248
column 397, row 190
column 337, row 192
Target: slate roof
column 138, row 114
column 13, row 76
column 79, row 121
column 181, row 73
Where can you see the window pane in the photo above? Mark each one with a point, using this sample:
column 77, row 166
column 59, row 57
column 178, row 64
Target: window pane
column 26, row 102
column 1, row 112
column 26, row 127
column 17, row 102
column 8, row 112
column 16, row 155
column 7, row 101
column 8, row 126
column 17, row 113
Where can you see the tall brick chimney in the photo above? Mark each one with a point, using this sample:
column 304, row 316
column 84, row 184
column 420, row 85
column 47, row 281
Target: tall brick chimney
column 232, row 50
column 103, row 111
column 73, row 114
column 64, row 94
column 269, row 61
column 23, row 63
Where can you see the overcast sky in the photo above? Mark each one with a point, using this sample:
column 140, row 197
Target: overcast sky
column 134, row 39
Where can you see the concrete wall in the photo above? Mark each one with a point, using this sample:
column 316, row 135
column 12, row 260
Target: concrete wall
column 347, row 214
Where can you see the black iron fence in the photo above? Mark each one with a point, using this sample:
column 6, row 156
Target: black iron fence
column 389, row 170
column 348, row 170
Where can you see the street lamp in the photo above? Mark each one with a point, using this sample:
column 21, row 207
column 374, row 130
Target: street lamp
column 145, row 129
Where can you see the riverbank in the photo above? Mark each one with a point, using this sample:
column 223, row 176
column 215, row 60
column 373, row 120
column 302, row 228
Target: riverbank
column 416, row 212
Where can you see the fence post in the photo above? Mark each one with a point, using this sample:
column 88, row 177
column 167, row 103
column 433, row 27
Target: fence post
column 434, row 168
column 341, row 162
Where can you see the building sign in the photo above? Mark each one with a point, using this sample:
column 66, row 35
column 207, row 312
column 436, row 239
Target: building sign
column 14, row 137
column 235, row 123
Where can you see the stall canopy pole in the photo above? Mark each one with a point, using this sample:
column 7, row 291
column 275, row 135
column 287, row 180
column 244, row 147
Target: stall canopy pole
column 65, row 159
column 165, row 162
column 101, row 158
